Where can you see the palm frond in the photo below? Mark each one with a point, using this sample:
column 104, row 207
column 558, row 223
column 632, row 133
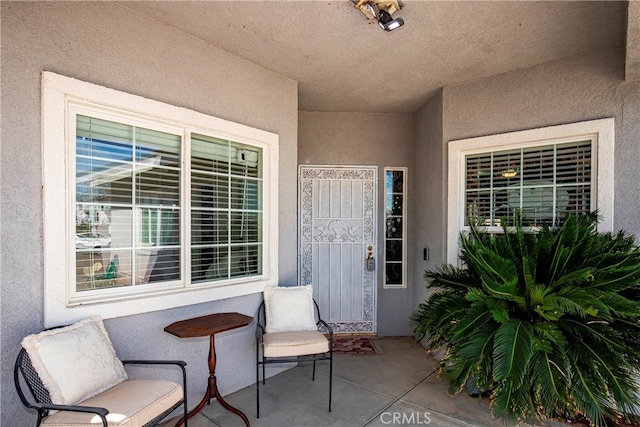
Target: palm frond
column 505, row 291
column 512, row 350
column 550, row 381
column 488, row 262
column 573, row 277
column 455, row 370
column 436, row 318
column 449, row 277
column 588, row 392
column 583, row 303
column 476, row 317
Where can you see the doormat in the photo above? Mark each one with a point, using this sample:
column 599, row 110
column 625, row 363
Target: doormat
column 355, row 346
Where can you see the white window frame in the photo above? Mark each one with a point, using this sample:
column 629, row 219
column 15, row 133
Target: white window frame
column 60, row 96
column 601, row 132
column 402, row 285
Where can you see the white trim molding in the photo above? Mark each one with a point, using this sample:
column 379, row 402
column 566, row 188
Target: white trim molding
column 601, row 132
column 61, row 96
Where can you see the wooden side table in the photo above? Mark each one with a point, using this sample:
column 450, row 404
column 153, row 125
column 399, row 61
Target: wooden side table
column 210, row 326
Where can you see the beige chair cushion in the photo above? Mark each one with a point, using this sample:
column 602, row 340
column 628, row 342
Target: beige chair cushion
column 281, row 344
column 132, row 403
column 75, row 362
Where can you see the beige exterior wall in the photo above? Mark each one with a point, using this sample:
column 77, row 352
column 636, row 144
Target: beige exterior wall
column 106, row 44
column 429, row 189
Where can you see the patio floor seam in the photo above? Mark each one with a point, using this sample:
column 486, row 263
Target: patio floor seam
column 346, row 381
column 398, row 399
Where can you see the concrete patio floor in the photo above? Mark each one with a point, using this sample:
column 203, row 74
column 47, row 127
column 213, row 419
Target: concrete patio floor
column 400, row 386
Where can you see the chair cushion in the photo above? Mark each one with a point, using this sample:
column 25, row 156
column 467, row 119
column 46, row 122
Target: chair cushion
column 132, row 403
column 289, row 309
column 282, row 344
column 75, row 362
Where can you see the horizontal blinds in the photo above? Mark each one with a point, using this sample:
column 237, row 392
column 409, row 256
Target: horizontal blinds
column 226, row 209
column 91, row 127
column 214, row 154
column 132, row 176
column 544, row 183
column 128, row 192
column 99, row 129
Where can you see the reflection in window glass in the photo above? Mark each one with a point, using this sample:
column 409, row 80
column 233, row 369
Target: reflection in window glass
column 112, row 188
column 395, row 227
column 543, row 183
column 226, row 209
column 128, row 207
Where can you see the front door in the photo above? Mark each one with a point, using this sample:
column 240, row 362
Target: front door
column 337, row 236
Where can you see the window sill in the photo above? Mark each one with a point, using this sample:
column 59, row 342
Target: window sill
column 58, row 311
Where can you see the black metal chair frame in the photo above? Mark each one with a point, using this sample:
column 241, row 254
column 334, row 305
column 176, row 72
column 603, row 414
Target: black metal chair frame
column 260, row 331
column 43, row 405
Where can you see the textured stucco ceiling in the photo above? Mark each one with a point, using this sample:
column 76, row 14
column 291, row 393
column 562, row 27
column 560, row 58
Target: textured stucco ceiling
column 345, row 63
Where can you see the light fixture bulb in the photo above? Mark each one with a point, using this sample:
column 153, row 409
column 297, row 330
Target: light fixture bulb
column 509, row 173
column 387, row 23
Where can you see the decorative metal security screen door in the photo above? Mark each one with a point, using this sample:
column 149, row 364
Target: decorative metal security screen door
column 337, row 234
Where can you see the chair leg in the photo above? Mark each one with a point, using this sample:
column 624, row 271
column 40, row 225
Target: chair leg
column 330, row 377
column 184, row 376
column 313, row 376
column 258, row 380
column 184, row 415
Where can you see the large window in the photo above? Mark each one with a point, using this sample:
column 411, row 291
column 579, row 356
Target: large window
column 149, row 206
column 543, row 184
column 542, row 174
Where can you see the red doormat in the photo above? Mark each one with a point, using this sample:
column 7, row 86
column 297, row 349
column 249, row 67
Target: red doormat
column 355, row 346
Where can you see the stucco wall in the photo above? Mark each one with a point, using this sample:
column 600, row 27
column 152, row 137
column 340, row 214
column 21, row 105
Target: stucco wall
column 383, row 140
column 106, row 44
column 429, row 193
column 585, row 87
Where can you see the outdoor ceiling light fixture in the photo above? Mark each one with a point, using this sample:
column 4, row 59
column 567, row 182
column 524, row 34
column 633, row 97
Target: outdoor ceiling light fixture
column 381, row 11
column 387, row 23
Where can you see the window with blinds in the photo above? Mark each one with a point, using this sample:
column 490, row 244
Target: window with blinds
column 149, row 206
column 543, row 183
column 226, row 209
column 543, row 173
column 130, row 186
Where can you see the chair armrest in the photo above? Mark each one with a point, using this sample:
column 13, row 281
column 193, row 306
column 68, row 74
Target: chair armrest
column 101, row 412
column 326, row 325
column 74, row 408
column 154, row 362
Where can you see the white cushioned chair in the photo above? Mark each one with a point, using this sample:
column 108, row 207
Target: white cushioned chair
column 289, row 330
column 76, row 380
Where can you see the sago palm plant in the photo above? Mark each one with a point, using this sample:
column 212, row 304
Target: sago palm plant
column 547, row 323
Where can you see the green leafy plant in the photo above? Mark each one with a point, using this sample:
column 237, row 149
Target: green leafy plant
column 546, row 323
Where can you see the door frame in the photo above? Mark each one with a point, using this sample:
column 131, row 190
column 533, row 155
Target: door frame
column 370, row 281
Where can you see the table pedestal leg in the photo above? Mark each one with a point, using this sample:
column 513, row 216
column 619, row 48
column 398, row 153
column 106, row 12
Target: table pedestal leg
column 212, row 390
